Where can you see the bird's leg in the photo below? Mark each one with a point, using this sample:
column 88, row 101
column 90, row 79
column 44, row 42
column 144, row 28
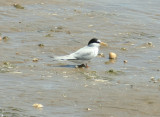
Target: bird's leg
column 86, row 66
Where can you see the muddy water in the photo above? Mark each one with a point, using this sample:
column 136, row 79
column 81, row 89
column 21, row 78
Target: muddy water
column 107, row 88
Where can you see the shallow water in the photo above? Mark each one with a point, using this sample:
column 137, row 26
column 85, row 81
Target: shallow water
column 131, row 29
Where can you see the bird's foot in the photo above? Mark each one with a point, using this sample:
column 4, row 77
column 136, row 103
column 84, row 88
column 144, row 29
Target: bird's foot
column 82, row 66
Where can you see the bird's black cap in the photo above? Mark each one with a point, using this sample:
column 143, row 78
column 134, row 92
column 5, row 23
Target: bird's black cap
column 93, row 40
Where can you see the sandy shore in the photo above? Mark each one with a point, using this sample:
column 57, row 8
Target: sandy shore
column 42, row 29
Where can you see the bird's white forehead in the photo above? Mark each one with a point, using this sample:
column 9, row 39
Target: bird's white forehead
column 98, row 40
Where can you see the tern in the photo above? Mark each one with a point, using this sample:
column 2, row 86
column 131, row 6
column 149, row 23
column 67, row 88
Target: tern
column 86, row 53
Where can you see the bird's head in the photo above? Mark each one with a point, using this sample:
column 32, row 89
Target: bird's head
column 96, row 42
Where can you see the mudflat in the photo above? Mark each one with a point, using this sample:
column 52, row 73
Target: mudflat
column 32, row 32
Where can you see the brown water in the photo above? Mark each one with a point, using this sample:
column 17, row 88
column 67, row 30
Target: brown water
column 131, row 29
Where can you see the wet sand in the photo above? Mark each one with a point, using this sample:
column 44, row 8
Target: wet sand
column 108, row 88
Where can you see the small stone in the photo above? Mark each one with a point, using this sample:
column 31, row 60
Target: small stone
column 112, row 55
column 90, row 25
column 89, row 109
column 59, row 27
column 35, row 60
column 36, row 105
column 111, row 71
column 125, row 61
column 6, row 63
column 17, row 53
column 41, row 45
column 124, row 49
column 150, row 43
column 155, row 81
column 85, row 85
column 5, row 38
column 131, row 86
column 18, row 6
column 152, row 79
column 101, row 55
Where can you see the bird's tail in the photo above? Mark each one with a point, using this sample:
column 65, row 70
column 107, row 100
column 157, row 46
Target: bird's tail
column 66, row 57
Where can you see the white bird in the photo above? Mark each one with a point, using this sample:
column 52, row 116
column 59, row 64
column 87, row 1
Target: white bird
column 86, row 53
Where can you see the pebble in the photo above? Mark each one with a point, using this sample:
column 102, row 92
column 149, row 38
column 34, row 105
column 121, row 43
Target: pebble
column 5, row 38
column 152, row 79
column 150, row 43
column 125, row 61
column 101, row 55
column 18, row 6
column 35, row 60
column 89, row 109
column 41, row 45
column 37, row 105
column 123, row 49
column 112, row 55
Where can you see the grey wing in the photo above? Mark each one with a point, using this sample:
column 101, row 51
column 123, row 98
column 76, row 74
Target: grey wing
column 84, row 54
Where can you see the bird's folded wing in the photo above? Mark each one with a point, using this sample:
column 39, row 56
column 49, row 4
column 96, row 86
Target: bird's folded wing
column 83, row 54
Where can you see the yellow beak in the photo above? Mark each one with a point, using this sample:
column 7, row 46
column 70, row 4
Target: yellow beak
column 103, row 44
